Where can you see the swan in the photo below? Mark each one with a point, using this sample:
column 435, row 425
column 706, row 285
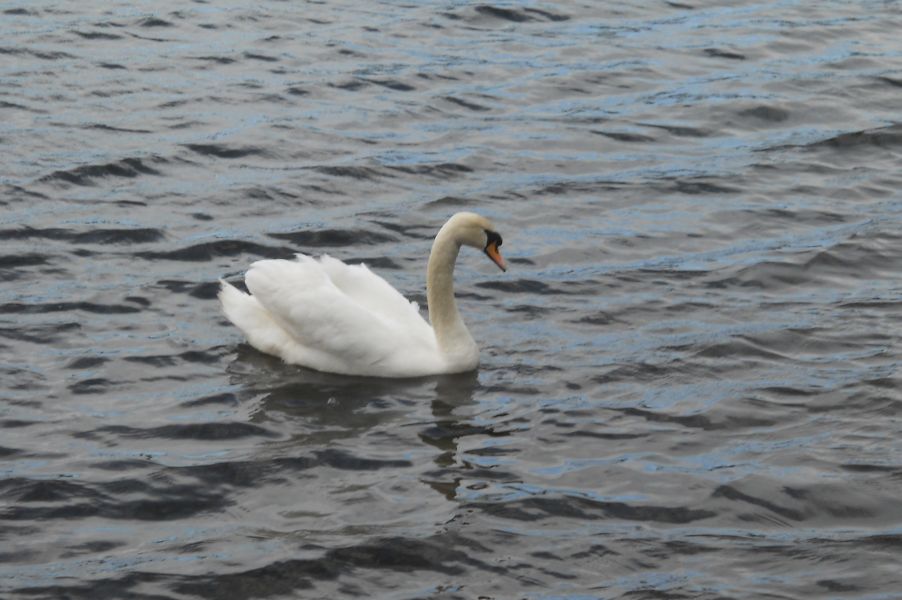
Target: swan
column 329, row 316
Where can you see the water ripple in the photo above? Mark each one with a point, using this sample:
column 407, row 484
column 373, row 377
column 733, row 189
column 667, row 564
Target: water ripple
column 689, row 374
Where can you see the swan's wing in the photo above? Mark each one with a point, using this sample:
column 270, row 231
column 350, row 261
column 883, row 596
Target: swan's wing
column 317, row 314
column 267, row 335
column 373, row 292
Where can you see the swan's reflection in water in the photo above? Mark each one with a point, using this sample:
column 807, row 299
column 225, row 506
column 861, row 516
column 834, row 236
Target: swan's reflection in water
column 453, row 391
column 362, row 415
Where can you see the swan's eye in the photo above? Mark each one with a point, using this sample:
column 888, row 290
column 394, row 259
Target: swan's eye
column 492, row 237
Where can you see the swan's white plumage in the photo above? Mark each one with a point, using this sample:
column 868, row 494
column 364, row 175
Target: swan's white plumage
column 339, row 318
column 331, row 317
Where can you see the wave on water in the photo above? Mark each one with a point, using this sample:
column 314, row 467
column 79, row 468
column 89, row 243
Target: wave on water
column 689, row 375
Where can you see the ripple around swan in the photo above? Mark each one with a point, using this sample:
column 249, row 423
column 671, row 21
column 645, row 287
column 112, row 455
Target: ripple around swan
column 689, row 374
column 208, row 251
column 333, row 237
column 224, row 151
column 88, row 174
column 142, row 235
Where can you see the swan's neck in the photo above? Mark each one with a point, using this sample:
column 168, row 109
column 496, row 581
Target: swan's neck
column 450, row 332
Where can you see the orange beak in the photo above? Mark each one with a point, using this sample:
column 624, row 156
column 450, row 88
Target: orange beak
column 491, row 250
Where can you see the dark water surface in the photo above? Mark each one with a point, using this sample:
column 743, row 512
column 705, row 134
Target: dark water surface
column 691, row 373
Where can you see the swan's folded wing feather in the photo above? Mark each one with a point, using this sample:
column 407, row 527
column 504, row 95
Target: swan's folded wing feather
column 377, row 295
column 303, row 300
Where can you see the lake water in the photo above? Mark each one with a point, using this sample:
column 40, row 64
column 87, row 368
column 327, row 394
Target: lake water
column 690, row 380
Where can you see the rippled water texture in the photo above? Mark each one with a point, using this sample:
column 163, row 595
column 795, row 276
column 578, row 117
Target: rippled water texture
column 690, row 384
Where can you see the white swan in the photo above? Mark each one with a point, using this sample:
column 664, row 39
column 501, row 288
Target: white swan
column 338, row 318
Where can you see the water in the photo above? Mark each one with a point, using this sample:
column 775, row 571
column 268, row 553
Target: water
column 690, row 379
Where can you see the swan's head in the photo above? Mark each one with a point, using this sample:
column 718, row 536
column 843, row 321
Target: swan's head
column 470, row 229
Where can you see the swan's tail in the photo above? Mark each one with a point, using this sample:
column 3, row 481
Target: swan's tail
column 235, row 303
column 248, row 315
